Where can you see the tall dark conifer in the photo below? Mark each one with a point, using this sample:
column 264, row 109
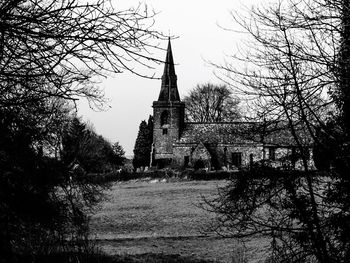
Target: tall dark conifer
column 143, row 144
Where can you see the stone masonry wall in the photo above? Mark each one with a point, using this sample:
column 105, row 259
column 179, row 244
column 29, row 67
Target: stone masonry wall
column 163, row 141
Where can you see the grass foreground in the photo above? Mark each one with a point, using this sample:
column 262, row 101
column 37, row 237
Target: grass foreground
column 162, row 220
column 105, row 258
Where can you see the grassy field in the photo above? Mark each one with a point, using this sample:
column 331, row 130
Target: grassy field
column 163, row 218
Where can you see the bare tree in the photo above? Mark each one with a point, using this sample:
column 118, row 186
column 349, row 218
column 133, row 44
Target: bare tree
column 211, row 103
column 57, row 48
column 52, row 53
column 290, row 65
column 294, row 74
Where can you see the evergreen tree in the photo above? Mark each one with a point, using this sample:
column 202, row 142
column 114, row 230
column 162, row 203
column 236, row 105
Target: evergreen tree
column 81, row 145
column 143, row 144
column 150, row 128
column 118, row 154
column 150, row 138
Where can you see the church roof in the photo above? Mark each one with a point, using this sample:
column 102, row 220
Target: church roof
column 224, row 133
column 168, row 90
column 279, row 134
column 240, row 133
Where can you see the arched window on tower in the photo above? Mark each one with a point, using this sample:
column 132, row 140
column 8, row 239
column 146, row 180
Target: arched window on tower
column 164, row 118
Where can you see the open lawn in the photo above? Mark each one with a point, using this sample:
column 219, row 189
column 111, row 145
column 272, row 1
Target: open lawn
column 164, row 218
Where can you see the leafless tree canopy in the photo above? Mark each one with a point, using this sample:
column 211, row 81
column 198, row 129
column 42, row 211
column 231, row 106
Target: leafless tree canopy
column 275, row 208
column 56, row 48
column 53, row 52
column 211, row 103
column 296, row 68
column 289, row 67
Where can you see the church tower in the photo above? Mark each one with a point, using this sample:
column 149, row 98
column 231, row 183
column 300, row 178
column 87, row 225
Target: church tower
column 168, row 112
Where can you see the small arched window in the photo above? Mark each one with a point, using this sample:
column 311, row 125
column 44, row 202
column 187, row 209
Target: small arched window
column 164, row 118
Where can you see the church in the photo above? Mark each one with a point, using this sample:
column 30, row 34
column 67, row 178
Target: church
column 219, row 145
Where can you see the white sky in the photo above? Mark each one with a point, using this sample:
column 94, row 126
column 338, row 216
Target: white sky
column 200, row 38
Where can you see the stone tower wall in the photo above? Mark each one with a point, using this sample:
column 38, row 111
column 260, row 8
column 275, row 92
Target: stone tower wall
column 163, row 140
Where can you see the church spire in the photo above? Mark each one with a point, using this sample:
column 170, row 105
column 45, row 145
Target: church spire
column 168, row 90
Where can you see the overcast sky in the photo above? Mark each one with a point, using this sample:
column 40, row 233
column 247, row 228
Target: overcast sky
column 195, row 22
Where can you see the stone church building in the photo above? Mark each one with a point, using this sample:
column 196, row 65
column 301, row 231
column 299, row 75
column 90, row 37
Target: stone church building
column 224, row 145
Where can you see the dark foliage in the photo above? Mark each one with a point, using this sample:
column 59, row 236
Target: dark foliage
column 50, row 53
column 143, row 144
column 189, row 174
column 277, row 205
column 207, row 176
column 43, row 202
column 81, row 146
column 26, row 181
column 118, row 154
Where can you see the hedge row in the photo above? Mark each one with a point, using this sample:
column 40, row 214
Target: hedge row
column 163, row 174
column 190, row 174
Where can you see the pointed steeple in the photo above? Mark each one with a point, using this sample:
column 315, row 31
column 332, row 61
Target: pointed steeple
column 168, row 90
